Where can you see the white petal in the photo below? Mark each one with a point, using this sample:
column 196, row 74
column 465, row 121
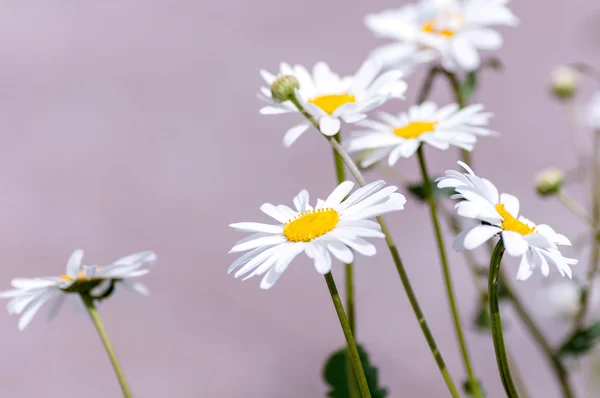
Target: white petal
column 514, row 243
column 465, row 54
column 474, row 237
column 287, row 256
column 338, row 194
column 257, row 227
column 301, row 201
column 525, row 267
column 269, row 280
column 340, row 251
column 329, row 125
column 74, row 263
column 274, row 212
column 511, row 204
column 261, row 241
column 136, row 287
column 292, row 134
column 365, row 75
column 32, row 309
column 360, row 245
column 484, row 39
column 274, row 110
column 322, row 258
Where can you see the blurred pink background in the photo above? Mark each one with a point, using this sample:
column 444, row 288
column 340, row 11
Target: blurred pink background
column 131, row 125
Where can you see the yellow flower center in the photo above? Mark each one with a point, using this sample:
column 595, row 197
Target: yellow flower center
column 80, row 275
column 329, row 103
column 445, row 24
column 310, row 225
column 415, row 129
column 509, row 223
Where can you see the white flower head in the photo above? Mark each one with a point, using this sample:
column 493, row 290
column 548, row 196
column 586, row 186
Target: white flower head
column 335, row 226
column 29, row 294
column 592, row 113
column 561, row 298
column 329, row 98
column 537, row 245
column 400, row 136
column 451, row 30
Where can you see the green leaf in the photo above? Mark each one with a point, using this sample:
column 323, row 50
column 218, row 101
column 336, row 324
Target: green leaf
column 467, row 388
column 471, row 81
column 335, row 375
column 581, row 341
column 482, row 319
column 418, row 191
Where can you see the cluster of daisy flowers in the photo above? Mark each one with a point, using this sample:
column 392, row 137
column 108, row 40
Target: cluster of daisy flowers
column 30, row 294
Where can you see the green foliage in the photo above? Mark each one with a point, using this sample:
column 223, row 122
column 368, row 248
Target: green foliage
column 418, row 191
column 581, row 341
column 467, row 388
column 482, row 319
column 471, row 81
column 335, row 375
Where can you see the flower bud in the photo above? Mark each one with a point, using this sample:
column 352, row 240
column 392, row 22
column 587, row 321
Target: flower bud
column 283, row 88
column 564, row 81
column 549, row 182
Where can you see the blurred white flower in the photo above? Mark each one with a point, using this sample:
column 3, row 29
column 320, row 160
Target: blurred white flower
column 451, row 30
column 329, row 98
column 592, row 112
column 499, row 213
column 400, row 136
column 335, row 226
column 29, row 294
column 560, row 298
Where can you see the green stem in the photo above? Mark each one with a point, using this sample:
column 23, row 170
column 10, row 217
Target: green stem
column 497, row 335
column 557, row 367
column 461, row 101
column 447, row 277
column 576, row 209
column 595, row 261
column 412, row 298
column 340, row 174
column 91, row 308
column 356, row 363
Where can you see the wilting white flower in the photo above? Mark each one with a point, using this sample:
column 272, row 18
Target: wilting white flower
column 400, row 136
column 334, row 227
column 329, row 98
column 592, row 112
column 499, row 213
column 453, row 30
column 29, row 294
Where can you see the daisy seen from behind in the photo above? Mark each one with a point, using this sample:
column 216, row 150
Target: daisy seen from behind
column 451, row 30
column 400, row 136
column 537, row 245
column 30, row 294
column 335, row 226
column 328, row 97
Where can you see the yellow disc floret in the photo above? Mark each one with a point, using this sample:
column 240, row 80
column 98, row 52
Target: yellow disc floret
column 415, row 129
column 311, row 224
column 329, row 103
column 509, row 223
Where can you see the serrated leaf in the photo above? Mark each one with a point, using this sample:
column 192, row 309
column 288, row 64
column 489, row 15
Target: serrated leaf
column 418, row 191
column 335, row 375
column 581, row 341
column 467, row 388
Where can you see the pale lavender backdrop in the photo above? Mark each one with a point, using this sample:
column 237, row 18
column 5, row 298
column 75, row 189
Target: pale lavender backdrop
column 133, row 124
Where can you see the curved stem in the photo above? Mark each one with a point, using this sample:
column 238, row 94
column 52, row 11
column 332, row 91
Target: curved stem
column 412, row 298
column 576, row 209
column 340, row 174
column 356, row 363
column 447, row 276
column 497, row 335
column 91, row 308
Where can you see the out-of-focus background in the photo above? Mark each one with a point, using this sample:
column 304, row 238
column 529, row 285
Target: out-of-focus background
column 133, row 124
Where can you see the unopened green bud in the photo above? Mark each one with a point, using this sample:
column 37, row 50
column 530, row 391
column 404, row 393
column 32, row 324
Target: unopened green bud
column 549, row 182
column 283, row 88
column 564, row 80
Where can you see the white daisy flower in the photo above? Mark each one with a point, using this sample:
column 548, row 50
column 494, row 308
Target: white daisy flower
column 29, row 294
column 400, row 136
column 334, row 227
column 453, row 30
column 330, row 98
column 592, row 113
column 535, row 244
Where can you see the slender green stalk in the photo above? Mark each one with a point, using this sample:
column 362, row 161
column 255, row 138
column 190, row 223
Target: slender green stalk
column 356, row 363
column 497, row 335
column 340, row 174
column 91, row 308
column 461, row 101
column 576, row 209
column 412, row 298
column 595, row 261
column 447, row 276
